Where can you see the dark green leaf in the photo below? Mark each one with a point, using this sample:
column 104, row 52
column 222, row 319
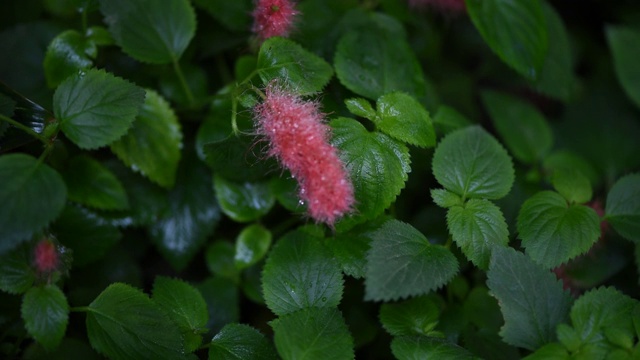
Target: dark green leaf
column 152, row 146
column 361, row 107
column 16, row 274
column 515, row 30
column 300, row 273
column 567, row 160
column 350, row 249
column 625, row 44
column 522, row 127
column 69, row 348
column 191, row 217
column 402, row 263
column 472, row 163
column 32, row 195
column 220, row 260
column 445, row 199
column 448, row 119
column 68, row 52
column 532, row 300
column 145, row 31
column 623, row 207
column 243, row 202
column 553, row 231
column 234, row 15
column 403, row 118
column 251, row 245
column 552, row 351
column 96, row 108
column 45, row 312
column 240, row 342
column 293, row 66
column 285, row 189
column 427, row 348
column 378, row 165
column 572, row 185
column 478, row 227
column 92, row 184
column 313, row 334
column 185, row 307
column 223, row 302
column 123, row 323
column 417, row 316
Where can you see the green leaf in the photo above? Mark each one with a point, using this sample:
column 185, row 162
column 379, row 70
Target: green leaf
column 427, row 348
column 417, row 316
column 376, row 59
column 87, row 234
column 572, row 185
column 191, row 216
column 68, row 52
column 293, row 66
column 531, row 299
column 350, row 249
column 223, row 303
column 300, row 273
column 361, row 107
column 220, row 259
column 623, row 207
column 448, row 119
column 240, row 342
column 32, row 195
column 378, row 165
column 445, row 198
column 45, row 312
column 515, row 30
column 552, row 351
column 624, row 43
column 185, row 307
column 234, row 15
column 96, row 108
column 313, row 334
column 402, row 263
column 568, row 337
column 569, row 161
column 243, row 202
column 16, row 274
column 251, row 245
column 472, row 163
column 123, row 323
column 92, row 184
column 152, row 146
column 403, row 118
column 145, row 32
column 523, row 128
column 478, row 227
column 553, row 231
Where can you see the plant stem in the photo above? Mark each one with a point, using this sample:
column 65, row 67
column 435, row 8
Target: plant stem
column 80, row 309
column 183, row 81
column 24, row 128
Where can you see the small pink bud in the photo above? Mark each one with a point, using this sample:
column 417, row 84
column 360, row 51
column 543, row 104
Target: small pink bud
column 273, row 18
column 299, row 139
column 447, row 6
column 46, row 257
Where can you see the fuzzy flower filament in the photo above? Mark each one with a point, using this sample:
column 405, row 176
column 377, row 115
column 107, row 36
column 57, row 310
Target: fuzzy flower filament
column 273, row 18
column 299, row 138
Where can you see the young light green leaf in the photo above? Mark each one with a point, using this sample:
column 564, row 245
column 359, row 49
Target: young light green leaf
column 313, row 333
column 572, row 185
column 300, row 273
column 152, row 146
column 251, row 245
column 523, row 128
column 403, row 118
column 292, row 66
column 96, row 108
column 16, row 274
column 402, row 263
column 45, row 312
column 623, row 207
column 514, row 30
column 243, row 202
column 553, row 231
column 625, row 44
column 361, row 107
column 240, row 342
column 32, row 195
column 531, row 299
column 448, row 119
column 445, row 198
column 67, row 53
column 478, row 227
column 472, row 163
column 145, row 32
column 378, row 165
column 185, row 307
column 422, row 347
column 417, row 316
column 93, row 185
column 123, row 323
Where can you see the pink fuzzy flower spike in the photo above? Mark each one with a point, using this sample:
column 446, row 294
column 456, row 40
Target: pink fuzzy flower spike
column 46, row 257
column 299, row 139
column 273, row 18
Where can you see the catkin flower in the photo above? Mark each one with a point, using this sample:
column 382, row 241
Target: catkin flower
column 450, row 6
column 299, row 139
column 46, row 257
column 273, row 18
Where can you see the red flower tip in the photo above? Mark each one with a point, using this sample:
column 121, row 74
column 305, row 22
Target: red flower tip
column 46, row 257
column 273, row 18
column 299, row 139
column 449, row 6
